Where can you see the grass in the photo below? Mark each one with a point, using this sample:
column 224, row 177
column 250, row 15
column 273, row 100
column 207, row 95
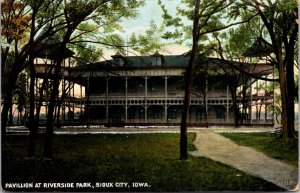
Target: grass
column 286, row 151
column 146, row 158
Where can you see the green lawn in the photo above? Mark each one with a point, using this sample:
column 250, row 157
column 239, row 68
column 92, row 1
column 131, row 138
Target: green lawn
column 144, row 158
column 267, row 143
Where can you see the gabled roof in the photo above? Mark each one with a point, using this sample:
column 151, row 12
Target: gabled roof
column 117, row 55
column 49, row 47
column 259, row 48
column 132, row 62
column 156, row 54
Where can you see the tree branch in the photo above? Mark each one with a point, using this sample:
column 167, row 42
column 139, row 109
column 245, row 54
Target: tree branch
column 220, row 52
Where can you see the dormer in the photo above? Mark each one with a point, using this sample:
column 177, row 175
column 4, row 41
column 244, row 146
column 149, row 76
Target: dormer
column 157, row 59
column 118, row 59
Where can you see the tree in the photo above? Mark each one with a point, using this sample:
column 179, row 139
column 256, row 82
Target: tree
column 75, row 13
column 188, row 82
column 35, row 6
column 208, row 17
column 14, row 24
column 151, row 41
column 51, row 19
column 231, row 46
column 279, row 19
column 201, row 85
column 20, row 96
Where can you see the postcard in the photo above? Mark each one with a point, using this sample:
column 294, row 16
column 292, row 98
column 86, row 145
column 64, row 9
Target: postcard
column 149, row 96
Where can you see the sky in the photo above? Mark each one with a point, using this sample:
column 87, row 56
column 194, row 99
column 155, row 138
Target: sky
column 151, row 11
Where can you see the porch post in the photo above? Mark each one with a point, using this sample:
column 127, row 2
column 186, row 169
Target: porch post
column 250, row 107
column 107, row 119
column 126, row 98
column 227, row 104
column 265, row 101
column 146, row 98
column 166, row 97
column 88, row 101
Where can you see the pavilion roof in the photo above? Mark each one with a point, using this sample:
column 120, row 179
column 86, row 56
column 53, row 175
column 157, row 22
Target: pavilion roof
column 49, row 47
column 259, row 48
column 174, row 61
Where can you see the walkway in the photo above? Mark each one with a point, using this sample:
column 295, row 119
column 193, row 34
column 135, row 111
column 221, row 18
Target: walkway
column 21, row 130
column 216, row 147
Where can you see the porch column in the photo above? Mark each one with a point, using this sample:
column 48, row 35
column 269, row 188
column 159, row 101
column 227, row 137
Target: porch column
column 107, row 120
column 63, row 105
column 126, row 98
column 265, row 101
column 166, row 97
column 146, row 97
column 81, row 101
column 250, row 107
column 88, row 101
column 73, row 97
column 227, row 104
column 256, row 103
column 36, row 92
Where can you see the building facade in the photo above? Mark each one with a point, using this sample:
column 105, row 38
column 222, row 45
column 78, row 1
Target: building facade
column 148, row 90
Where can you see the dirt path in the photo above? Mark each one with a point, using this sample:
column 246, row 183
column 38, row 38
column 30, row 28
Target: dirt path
column 216, row 147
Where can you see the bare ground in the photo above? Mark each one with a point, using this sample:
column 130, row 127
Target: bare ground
column 216, row 147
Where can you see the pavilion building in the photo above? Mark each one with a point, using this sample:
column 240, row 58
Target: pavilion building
column 148, row 90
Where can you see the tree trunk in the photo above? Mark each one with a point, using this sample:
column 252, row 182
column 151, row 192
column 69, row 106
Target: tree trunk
column 185, row 112
column 234, row 104
column 205, row 108
column 10, row 120
column 188, row 84
column 54, row 95
column 285, row 68
column 290, row 97
column 7, row 100
column 205, row 99
column 32, row 125
column 236, row 113
column 259, row 111
column 4, row 114
column 283, row 91
column 57, row 116
column 50, row 121
column 40, row 102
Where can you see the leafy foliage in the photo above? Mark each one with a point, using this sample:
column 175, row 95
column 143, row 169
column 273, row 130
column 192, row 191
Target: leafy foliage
column 20, row 92
column 150, row 42
column 14, row 20
column 214, row 17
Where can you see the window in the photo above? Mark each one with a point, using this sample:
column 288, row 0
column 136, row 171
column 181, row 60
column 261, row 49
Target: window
column 200, row 115
column 131, row 113
column 220, row 113
column 141, row 114
column 156, row 61
column 118, row 62
column 157, row 115
column 172, row 114
column 119, row 59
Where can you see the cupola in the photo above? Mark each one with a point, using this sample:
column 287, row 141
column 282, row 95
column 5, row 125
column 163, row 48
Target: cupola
column 118, row 59
column 157, row 59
